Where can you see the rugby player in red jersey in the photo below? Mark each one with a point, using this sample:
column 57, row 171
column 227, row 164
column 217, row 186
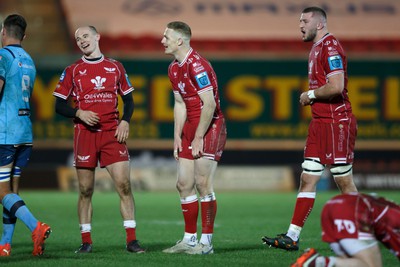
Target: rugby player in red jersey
column 333, row 128
column 94, row 83
column 199, row 136
column 353, row 224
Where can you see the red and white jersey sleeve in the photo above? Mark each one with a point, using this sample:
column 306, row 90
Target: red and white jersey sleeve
column 95, row 86
column 192, row 77
column 327, row 58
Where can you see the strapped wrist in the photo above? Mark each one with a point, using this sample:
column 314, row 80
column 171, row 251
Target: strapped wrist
column 311, row 94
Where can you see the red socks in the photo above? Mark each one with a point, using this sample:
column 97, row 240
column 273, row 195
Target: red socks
column 304, row 205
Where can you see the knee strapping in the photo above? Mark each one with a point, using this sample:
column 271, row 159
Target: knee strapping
column 341, row 170
column 5, row 174
column 312, row 166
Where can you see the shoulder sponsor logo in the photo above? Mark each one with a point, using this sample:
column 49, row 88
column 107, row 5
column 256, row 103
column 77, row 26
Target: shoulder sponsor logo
column 316, row 53
column 202, row 80
column 98, row 82
column 335, row 62
column 199, row 69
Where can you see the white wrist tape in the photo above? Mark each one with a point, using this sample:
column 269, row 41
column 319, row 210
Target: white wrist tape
column 311, row 94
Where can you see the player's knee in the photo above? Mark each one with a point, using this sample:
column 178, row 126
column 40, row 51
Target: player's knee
column 313, row 167
column 86, row 192
column 183, row 186
column 125, row 188
column 341, row 170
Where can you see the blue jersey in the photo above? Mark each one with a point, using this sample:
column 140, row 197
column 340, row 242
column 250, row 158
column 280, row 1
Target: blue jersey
column 18, row 72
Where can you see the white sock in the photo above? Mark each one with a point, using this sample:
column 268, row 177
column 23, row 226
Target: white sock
column 85, row 228
column 129, row 224
column 294, row 232
column 206, row 239
column 190, row 238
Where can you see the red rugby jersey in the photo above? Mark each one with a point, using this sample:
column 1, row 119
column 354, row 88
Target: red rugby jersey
column 328, row 58
column 192, row 77
column 95, row 85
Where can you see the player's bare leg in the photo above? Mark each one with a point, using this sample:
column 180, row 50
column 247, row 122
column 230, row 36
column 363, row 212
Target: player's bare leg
column 85, row 210
column 204, row 170
column 190, row 206
column 120, row 173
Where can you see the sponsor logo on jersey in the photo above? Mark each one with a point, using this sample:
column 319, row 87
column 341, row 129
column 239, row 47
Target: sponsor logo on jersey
column 181, row 87
column 127, row 80
column 62, row 76
column 335, row 62
column 111, row 70
column 98, row 82
column 198, row 69
column 83, row 72
column 98, row 96
column 122, row 153
column 202, row 80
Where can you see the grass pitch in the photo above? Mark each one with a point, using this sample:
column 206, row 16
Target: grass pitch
column 242, row 219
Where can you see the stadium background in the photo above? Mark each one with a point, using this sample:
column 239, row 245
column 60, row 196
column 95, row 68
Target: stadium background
column 261, row 62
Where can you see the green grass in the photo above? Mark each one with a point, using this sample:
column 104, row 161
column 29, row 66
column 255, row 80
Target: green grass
column 241, row 221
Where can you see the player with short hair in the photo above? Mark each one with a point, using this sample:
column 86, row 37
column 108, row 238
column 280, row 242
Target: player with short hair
column 333, row 128
column 353, row 224
column 199, row 136
column 17, row 76
column 94, row 83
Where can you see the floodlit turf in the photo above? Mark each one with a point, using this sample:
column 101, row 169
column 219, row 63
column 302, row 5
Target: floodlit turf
column 243, row 218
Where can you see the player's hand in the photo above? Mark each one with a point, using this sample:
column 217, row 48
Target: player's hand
column 305, row 100
column 122, row 132
column 197, row 147
column 89, row 117
column 177, row 147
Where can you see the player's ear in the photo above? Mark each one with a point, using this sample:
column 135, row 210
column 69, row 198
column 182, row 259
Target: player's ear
column 180, row 41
